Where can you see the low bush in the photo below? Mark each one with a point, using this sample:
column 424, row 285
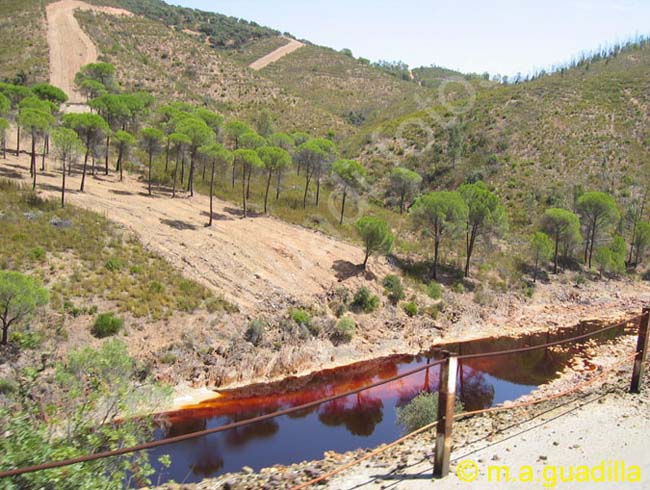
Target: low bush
column 411, row 309
column 255, row 332
column 420, row 411
column 393, row 288
column 106, row 324
column 434, row 290
column 345, row 329
column 302, row 318
column 365, row 301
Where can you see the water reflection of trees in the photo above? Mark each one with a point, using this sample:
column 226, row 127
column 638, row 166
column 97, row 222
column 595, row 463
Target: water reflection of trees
column 473, row 389
column 360, row 413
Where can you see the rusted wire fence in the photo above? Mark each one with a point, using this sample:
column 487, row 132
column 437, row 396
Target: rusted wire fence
column 446, row 403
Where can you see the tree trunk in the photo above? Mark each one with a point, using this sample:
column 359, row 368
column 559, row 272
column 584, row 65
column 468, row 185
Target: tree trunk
column 211, row 192
column 536, row 267
column 233, row 176
column 43, row 156
column 365, row 259
column 557, row 246
column 17, row 140
column 277, row 187
column 470, row 248
column 150, row 159
column 243, row 187
column 190, row 177
column 183, row 169
column 34, row 161
column 108, row 148
column 401, row 202
column 83, row 172
column 436, row 248
column 175, row 173
column 307, row 181
column 591, row 243
column 345, row 194
column 248, row 182
column 5, row 334
column 317, row 189
column 167, row 155
column 266, row 194
column 63, row 186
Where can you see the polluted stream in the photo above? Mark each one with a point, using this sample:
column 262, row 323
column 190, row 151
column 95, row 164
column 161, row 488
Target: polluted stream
column 363, row 420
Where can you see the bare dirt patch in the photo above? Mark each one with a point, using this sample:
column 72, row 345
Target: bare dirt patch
column 274, row 56
column 70, row 47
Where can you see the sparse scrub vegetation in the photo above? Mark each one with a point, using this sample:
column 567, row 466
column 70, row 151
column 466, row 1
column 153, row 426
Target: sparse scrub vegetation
column 106, row 325
column 365, row 301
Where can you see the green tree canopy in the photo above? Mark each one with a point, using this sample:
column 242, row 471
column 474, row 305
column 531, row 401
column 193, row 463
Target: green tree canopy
column 282, row 140
column 598, row 211
column 563, row 227
column 436, row 213
column 540, row 248
column 234, row 129
column 404, row 184
column 45, row 91
column 350, row 174
column 200, row 135
column 251, row 141
column 486, row 216
column 5, row 104
column 91, row 129
column 275, row 160
column 151, row 140
column 375, row 235
column 249, row 160
column 103, row 73
column 20, row 298
column 641, row 241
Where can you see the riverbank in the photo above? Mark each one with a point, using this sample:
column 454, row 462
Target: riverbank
column 565, row 431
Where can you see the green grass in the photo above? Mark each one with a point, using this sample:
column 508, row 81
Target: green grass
column 92, row 259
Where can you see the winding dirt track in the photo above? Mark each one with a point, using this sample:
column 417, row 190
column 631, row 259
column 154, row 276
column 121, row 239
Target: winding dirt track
column 274, row 56
column 70, row 47
column 254, row 262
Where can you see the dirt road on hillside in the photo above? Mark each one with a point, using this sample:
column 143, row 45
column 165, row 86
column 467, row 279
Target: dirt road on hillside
column 70, row 47
column 253, row 262
column 274, row 56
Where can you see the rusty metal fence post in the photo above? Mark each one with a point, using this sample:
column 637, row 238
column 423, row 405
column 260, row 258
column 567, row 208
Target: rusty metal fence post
column 446, row 403
column 641, row 351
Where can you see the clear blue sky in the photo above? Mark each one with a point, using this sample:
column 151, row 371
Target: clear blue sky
column 498, row 36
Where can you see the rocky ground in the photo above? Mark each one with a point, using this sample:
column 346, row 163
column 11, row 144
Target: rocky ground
column 602, row 422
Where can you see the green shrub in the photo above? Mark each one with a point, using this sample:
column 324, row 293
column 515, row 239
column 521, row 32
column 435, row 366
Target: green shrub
column 304, row 319
column 27, row 340
column 37, row 253
column 393, row 288
column 155, row 287
column 411, row 309
column 255, row 332
column 365, row 301
column 434, row 290
column 113, row 264
column 340, row 301
column 345, row 329
column 106, row 325
column 168, row 358
column 7, row 386
column 458, row 288
column 420, row 411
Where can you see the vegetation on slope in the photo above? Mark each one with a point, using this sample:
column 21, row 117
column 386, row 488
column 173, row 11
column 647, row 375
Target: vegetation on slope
column 23, row 43
column 219, row 30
